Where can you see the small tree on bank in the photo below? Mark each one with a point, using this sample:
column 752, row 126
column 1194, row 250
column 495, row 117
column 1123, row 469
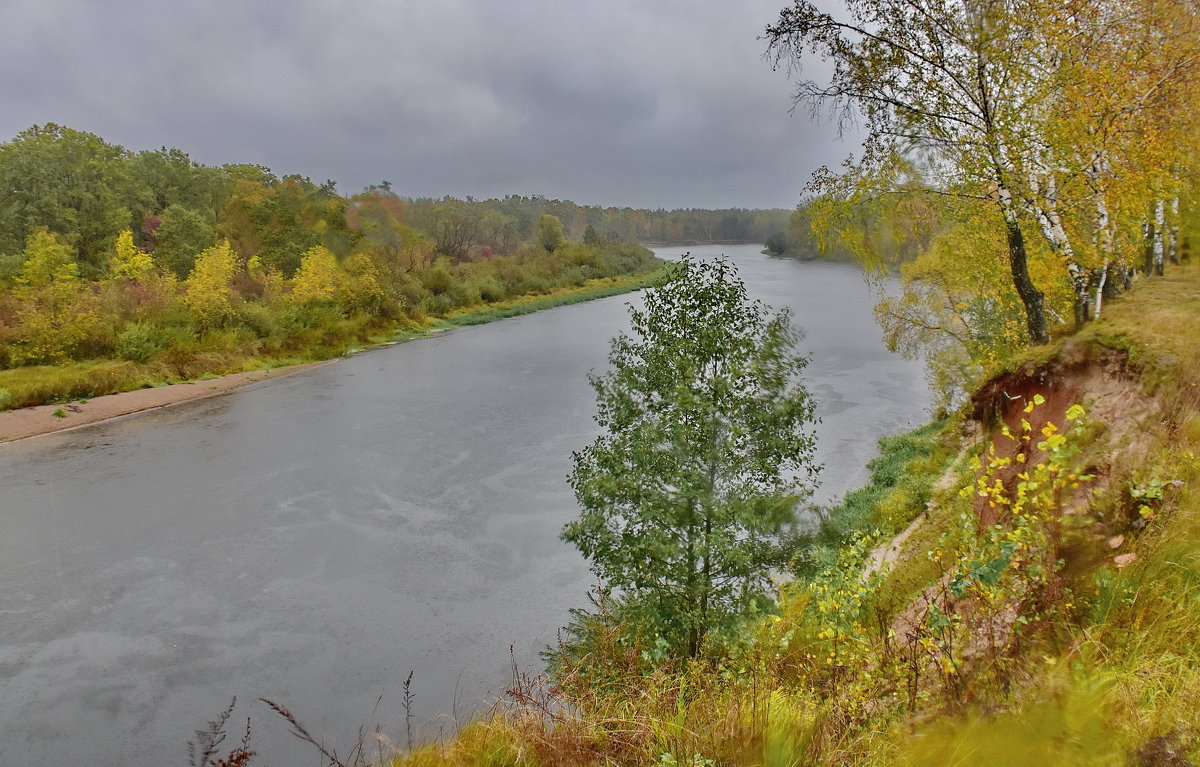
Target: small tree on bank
column 707, row 450
column 549, row 232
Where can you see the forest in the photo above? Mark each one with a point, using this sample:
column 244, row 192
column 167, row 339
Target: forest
column 121, row 269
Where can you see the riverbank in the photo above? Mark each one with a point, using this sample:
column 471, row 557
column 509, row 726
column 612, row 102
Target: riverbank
column 38, row 420
column 48, row 419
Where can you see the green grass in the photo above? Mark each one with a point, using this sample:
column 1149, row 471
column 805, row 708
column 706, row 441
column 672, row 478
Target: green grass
column 48, row 384
column 593, row 289
column 900, row 486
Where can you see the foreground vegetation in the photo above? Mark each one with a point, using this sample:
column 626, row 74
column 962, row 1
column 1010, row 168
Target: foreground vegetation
column 1041, row 600
column 707, row 449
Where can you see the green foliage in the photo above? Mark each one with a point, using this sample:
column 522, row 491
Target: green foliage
column 686, row 495
column 298, row 272
column 898, row 491
column 549, row 232
column 778, row 244
column 69, row 182
column 140, row 341
column 182, row 233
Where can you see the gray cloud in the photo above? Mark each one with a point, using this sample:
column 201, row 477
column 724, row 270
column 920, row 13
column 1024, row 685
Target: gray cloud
column 665, row 103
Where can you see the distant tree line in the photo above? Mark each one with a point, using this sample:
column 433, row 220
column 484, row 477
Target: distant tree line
column 153, row 258
column 498, row 221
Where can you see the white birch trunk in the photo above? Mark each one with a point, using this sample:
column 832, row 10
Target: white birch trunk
column 1160, row 222
column 1098, row 294
column 1046, row 210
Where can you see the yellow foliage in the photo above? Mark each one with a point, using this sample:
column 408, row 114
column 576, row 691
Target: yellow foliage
column 207, row 294
column 319, row 278
column 128, row 261
column 364, row 288
column 48, row 334
column 55, row 313
column 957, row 308
column 47, row 260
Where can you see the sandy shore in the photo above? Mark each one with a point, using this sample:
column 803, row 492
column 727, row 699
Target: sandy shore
column 35, row 421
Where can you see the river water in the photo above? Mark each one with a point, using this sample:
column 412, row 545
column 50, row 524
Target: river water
column 313, row 539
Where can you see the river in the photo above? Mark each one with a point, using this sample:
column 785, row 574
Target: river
column 313, row 539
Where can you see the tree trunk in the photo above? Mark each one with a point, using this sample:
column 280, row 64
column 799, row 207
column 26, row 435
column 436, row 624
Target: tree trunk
column 1081, row 282
column 1045, row 207
column 1160, row 216
column 1126, row 274
column 1099, row 280
column 690, row 582
column 1031, row 297
column 707, row 580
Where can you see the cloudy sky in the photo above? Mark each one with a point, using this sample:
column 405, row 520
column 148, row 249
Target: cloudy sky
column 645, row 103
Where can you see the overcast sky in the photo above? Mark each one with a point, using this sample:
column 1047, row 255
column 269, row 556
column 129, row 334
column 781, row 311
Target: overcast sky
column 647, row 103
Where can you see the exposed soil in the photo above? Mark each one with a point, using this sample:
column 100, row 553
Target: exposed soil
column 1102, row 382
column 1099, row 379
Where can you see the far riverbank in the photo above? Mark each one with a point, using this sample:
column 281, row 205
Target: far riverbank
column 50, row 418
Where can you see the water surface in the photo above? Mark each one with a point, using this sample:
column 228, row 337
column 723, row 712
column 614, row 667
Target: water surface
column 313, row 539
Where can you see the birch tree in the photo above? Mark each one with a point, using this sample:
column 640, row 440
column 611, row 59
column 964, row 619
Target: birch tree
column 707, row 448
column 948, row 81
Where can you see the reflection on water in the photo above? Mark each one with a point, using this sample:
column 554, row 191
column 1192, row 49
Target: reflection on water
column 314, row 538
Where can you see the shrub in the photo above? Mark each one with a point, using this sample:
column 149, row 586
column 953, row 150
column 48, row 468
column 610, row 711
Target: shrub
column 258, row 319
column 489, row 289
column 139, row 341
column 439, row 280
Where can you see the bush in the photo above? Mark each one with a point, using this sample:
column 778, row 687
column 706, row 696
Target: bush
column 139, row 341
column 437, row 305
column 778, row 244
column 489, row 289
column 47, row 338
column 439, row 280
column 258, row 319
column 465, row 294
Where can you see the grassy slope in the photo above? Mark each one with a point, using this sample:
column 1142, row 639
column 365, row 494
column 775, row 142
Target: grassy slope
column 37, row 385
column 1104, row 670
